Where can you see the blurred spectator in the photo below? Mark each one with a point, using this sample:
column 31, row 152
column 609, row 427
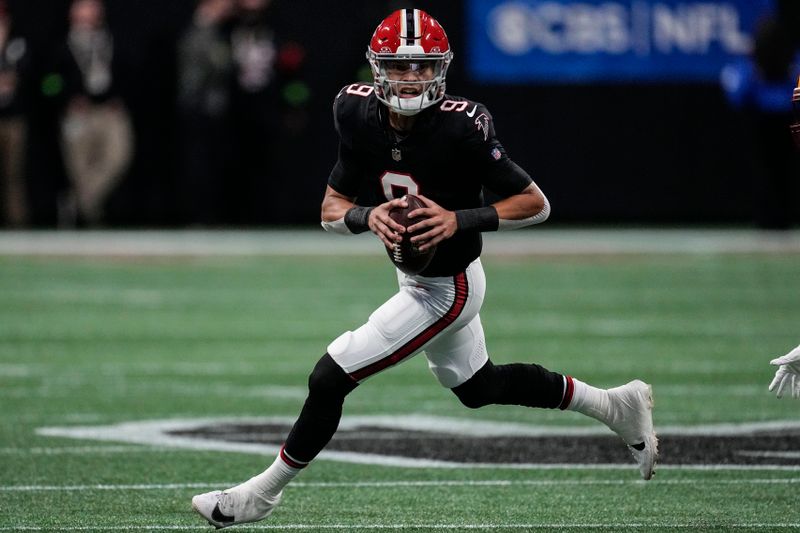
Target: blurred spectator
column 205, row 75
column 267, row 108
column 14, row 78
column 96, row 133
column 761, row 88
column 240, row 103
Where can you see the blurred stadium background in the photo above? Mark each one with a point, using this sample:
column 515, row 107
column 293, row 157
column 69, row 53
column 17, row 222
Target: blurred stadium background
column 616, row 108
column 203, row 286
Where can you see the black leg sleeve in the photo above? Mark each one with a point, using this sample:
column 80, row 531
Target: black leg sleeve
column 515, row 384
column 328, row 385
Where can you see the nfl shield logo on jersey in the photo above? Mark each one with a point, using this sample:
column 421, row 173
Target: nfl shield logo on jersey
column 396, row 155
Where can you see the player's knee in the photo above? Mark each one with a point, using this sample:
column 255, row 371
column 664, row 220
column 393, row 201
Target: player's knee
column 447, row 377
column 328, row 381
column 479, row 390
column 470, row 398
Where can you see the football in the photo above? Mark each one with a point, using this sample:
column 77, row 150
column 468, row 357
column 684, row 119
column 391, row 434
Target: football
column 405, row 255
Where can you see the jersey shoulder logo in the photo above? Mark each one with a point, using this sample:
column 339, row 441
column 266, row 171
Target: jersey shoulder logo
column 482, row 123
column 471, row 114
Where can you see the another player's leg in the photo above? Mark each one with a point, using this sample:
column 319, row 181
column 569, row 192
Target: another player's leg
column 256, row 498
column 460, row 362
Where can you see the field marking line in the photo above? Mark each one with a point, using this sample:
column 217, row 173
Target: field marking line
column 768, row 454
column 173, row 433
column 400, row 483
column 100, row 450
column 454, row 527
column 315, row 242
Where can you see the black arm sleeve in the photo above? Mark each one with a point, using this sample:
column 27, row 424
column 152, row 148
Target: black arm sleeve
column 507, row 178
column 497, row 171
column 346, row 174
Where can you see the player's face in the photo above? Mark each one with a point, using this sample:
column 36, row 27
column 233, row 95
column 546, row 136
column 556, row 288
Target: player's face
column 412, row 74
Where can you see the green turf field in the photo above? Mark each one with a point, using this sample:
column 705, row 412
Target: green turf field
column 94, row 341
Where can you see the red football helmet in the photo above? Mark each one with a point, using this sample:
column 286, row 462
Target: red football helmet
column 796, row 104
column 409, row 54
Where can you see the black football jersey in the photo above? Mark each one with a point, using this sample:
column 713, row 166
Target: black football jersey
column 449, row 156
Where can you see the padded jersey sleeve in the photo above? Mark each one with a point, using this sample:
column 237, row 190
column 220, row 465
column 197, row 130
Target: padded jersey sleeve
column 497, row 171
column 345, row 178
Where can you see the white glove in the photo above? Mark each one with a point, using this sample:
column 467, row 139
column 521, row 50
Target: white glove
column 788, row 373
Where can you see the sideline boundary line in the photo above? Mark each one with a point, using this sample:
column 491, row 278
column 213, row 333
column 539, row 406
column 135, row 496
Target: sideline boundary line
column 315, row 242
column 427, row 526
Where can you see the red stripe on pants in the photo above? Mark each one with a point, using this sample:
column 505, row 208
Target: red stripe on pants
column 457, row 307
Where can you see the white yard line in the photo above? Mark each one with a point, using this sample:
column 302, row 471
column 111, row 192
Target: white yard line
column 425, row 526
column 406, row 483
column 82, row 450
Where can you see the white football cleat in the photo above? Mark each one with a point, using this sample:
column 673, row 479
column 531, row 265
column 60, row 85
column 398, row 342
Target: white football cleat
column 630, row 415
column 229, row 508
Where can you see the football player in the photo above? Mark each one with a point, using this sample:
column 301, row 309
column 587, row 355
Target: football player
column 403, row 134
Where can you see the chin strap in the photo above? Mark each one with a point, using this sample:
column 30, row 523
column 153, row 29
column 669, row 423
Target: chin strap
column 413, row 105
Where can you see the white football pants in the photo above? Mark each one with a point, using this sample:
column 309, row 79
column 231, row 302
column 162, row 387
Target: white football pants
column 437, row 315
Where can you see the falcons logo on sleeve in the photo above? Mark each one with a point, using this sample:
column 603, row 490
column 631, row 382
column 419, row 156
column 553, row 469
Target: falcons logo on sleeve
column 482, row 122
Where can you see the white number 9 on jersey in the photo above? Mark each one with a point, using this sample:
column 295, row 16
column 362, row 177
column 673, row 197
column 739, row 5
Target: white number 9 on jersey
column 397, row 185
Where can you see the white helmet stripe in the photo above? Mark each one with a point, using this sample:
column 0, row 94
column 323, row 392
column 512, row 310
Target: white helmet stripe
column 403, row 24
column 417, row 28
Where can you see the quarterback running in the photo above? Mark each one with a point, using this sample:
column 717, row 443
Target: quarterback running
column 403, row 134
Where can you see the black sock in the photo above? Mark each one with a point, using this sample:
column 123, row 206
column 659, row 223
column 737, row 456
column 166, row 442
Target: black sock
column 529, row 385
column 328, row 385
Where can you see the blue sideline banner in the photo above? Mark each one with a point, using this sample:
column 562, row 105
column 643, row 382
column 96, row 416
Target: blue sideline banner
column 557, row 41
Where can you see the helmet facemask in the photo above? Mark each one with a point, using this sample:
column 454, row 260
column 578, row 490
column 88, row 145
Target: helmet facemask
column 409, row 83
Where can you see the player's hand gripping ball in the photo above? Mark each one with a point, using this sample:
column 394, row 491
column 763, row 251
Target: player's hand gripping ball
column 406, row 255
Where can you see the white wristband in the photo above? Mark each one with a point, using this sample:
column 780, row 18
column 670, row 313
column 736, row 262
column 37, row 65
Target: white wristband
column 538, row 218
column 337, row 226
